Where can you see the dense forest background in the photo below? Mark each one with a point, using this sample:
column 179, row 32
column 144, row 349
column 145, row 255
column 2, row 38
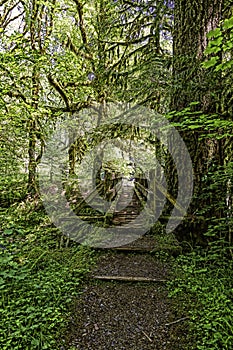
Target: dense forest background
column 58, row 58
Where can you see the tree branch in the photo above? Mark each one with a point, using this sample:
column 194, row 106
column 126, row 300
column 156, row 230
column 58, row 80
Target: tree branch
column 75, row 50
column 76, row 107
column 59, row 89
column 81, row 22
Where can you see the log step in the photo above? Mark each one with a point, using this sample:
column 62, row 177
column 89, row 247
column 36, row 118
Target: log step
column 129, row 279
column 133, row 249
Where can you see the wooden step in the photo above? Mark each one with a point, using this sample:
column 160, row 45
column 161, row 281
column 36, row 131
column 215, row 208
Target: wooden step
column 129, row 279
column 133, row 249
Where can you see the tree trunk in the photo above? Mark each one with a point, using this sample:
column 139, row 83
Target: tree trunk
column 32, row 165
column 193, row 20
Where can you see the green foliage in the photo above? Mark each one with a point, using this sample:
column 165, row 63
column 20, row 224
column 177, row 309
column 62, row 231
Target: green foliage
column 211, row 126
column 37, row 284
column 206, row 288
column 218, row 213
column 206, row 282
column 221, row 41
column 64, row 57
column 12, row 189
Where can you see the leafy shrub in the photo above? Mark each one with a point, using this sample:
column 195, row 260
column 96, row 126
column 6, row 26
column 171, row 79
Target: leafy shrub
column 12, row 189
column 206, row 287
column 221, row 41
column 37, row 286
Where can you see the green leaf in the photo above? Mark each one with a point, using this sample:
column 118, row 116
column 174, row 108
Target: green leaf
column 228, row 23
column 8, row 232
column 210, row 50
column 224, row 66
column 210, row 63
column 219, row 67
column 228, row 46
column 194, row 127
column 214, row 33
column 195, row 103
column 216, row 42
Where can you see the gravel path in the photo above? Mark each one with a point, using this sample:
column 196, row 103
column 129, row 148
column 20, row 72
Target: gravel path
column 126, row 315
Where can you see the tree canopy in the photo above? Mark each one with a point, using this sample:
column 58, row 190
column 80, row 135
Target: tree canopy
column 60, row 57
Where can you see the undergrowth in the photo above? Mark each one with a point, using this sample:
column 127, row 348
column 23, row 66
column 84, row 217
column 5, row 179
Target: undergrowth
column 205, row 286
column 38, row 281
column 40, row 275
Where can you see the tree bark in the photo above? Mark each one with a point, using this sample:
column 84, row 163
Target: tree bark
column 192, row 21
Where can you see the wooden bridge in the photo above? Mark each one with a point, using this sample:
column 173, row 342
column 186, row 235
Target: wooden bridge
column 117, row 204
column 120, row 203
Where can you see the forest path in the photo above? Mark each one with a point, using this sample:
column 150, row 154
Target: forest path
column 125, row 305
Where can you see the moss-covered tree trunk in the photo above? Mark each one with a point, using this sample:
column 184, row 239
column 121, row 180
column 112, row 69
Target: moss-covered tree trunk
column 192, row 21
column 33, row 121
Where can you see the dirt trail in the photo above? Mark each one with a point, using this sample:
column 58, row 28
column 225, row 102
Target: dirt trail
column 127, row 315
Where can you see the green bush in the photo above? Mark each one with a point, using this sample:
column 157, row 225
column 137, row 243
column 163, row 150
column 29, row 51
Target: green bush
column 37, row 285
column 12, row 189
column 206, row 288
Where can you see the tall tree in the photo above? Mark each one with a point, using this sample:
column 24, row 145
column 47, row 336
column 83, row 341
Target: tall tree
column 192, row 22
